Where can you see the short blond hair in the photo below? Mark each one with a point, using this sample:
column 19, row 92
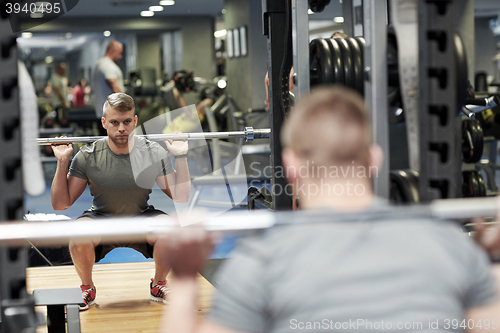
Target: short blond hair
column 120, row 102
column 330, row 127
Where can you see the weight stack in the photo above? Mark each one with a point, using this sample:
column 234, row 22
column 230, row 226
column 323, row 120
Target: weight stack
column 13, row 261
column 440, row 134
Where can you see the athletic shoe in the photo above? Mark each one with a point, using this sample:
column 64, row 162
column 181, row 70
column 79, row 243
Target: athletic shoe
column 88, row 295
column 159, row 292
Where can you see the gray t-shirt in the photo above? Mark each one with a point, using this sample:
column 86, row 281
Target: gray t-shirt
column 104, row 69
column 395, row 275
column 59, row 81
column 121, row 184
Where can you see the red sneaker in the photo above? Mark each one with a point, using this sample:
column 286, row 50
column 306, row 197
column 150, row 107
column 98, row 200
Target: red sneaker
column 159, row 292
column 88, row 295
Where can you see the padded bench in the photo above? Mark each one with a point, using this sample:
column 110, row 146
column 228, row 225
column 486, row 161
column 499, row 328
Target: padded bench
column 62, row 308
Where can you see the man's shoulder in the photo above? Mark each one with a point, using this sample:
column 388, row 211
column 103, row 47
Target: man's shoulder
column 93, row 147
column 144, row 144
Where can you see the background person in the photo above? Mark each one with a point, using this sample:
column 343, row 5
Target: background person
column 79, row 93
column 107, row 77
column 60, row 101
column 389, row 273
column 120, row 171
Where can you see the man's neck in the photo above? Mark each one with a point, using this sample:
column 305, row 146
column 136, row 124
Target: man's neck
column 346, row 194
column 121, row 149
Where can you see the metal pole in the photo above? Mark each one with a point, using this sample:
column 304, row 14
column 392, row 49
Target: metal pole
column 133, row 229
column 375, row 59
column 249, row 134
column 300, row 46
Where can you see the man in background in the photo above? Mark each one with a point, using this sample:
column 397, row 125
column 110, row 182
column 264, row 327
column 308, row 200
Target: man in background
column 107, row 77
column 60, row 101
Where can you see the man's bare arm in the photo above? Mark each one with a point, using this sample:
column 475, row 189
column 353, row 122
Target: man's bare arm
column 113, row 84
column 65, row 189
column 177, row 185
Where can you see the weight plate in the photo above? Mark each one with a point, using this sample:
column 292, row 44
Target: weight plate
column 357, row 60
column 482, row 184
column 338, row 68
column 404, row 186
column 472, row 141
column 347, row 62
column 470, row 186
column 320, row 62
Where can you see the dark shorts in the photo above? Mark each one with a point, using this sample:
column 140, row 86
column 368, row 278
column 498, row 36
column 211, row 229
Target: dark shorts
column 144, row 247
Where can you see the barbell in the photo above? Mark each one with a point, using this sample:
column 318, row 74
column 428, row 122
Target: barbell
column 17, row 234
column 249, row 134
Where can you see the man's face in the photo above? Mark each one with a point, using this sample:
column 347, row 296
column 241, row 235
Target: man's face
column 118, row 54
column 120, row 126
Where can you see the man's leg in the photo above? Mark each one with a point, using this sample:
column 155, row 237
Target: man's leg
column 161, row 268
column 159, row 286
column 83, row 256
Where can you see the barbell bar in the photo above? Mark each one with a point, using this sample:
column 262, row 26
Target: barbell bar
column 249, row 134
column 18, row 234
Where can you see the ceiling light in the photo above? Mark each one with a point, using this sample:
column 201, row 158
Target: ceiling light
column 107, row 33
column 338, row 19
column 49, row 59
column 68, row 35
column 222, row 84
column 36, row 15
column 220, row 33
column 224, row 11
column 310, row 12
column 156, row 8
column 147, row 13
column 167, row 3
column 26, row 35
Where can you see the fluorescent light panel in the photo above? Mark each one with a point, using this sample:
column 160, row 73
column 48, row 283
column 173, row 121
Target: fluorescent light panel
column 220, row 33
column 156, row 8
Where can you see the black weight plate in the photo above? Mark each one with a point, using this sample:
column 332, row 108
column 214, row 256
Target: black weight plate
column 404, row 186
column 461, row 66
column 347, row 61
column 357, row 60
column 318, row 5
column 470, row 186
column 472, row 154
column 482, row 184
column 320, row 62
column 338, row 69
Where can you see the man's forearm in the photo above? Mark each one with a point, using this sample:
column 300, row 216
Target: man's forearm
column 182, row 188
column 59, row 193
column 180, row 317
column 113, row 84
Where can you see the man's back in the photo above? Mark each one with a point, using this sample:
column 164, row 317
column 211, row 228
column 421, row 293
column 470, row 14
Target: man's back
column 412, row 275
column 104, row 69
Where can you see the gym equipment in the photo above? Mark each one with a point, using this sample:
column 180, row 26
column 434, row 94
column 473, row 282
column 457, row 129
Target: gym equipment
column 184, row 80
column 473, row 184
column 259, row 198
column 472, row 141
column 13, row 234
column 404, row 186
column 249, row 134
column 318, row 5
